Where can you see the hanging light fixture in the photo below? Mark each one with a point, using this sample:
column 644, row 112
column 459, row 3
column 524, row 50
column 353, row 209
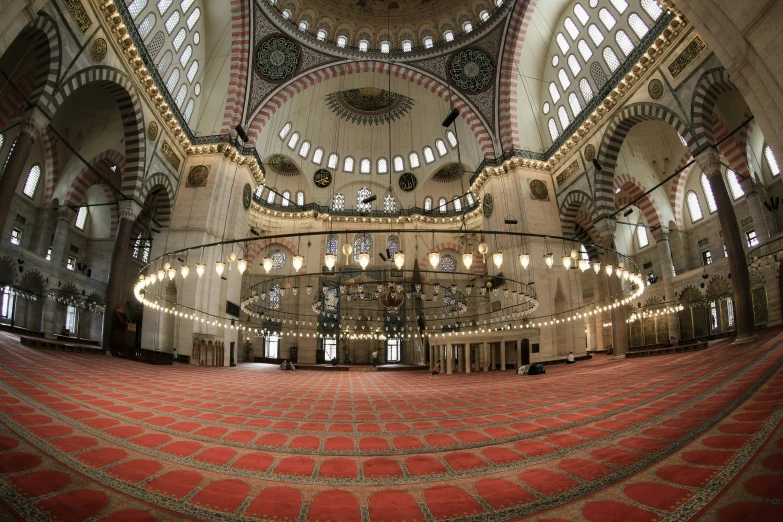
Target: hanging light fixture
column 434, row 258
column 524, row 260
column 172, row 272
column 331, row 259
column 267, row 263
column 483, row 248
column 609, row 269
column 242, row 265
column 364, row 260
column 200, row 269
column 166, row 266
column 566, row 262
column 596, row 267
column 584, row 264
column 619, row 271
column 399, row 259
column 232, row 257
column 219, row 267
column 161, row 274
column 549, row 259
column 467, row 260
column 297, row 261
column 347, row 251
column 184, row 270
column 497, row 258
column 574, row 254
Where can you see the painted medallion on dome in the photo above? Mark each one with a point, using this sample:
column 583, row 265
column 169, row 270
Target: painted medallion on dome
column 282, row 165
column 369, row 105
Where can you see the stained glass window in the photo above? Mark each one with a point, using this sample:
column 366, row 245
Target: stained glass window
column 342, row 41
column 407, row 46
column 448, row 36
column 362, row 194
column 385, row 47
column 300, row 198
column 441, row 147
column 705, row 186
column 584, row 50
column 389, row 203
column 393, row 245
column 270, row 198
column 32, row 179
column 429, row 156
column 172, row 22
column 467, row 27
column 303, row 25
column 274, row 297
column 694, row 207
column 457, row 205
column 278, row 259
column 428, row 42
column 320, row 35
column 442, row 205
column 286, row 198
column 362, row 244
column 364, row 45
column 638, row 25
column 338, row 202
column 448, row 263
column 484, row 15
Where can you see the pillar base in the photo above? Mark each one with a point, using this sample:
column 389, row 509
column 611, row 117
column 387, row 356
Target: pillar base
column 621, row 356
column 745, row 339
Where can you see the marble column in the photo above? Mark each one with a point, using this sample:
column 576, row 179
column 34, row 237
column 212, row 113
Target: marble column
column 709, row 161
column 600, row 293
column 449, row 359
column 502, row 355
column 519, row 353
column 485, row 356
column 431, row 348
column 129, row 211
column 661, row 236
column 60, row 246
column 755, row 205
column 466, row 356
column 33, row 124
column 615, row 287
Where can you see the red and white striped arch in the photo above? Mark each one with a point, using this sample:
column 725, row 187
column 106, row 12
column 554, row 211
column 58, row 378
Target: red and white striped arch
column 238, row 72
column 677, row 190
column 477, row 268
column 729, row 146
column 87, row 178
column 477, row 126
column 252, row 251
column 647, row 204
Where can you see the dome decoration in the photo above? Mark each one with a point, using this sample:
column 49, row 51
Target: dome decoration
column 369, row 105
column 655, row 89
column 277, row 58
column 283, row 165
column 471, row 70
column 450, row 172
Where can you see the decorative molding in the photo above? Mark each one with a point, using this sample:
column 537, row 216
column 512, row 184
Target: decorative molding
column 704, row 241
column 369, row 105
column 655, row 89
column 687, row 55
column 538, row 190
column 98, row 50
column 79, row 14
column 747, row 221
column 169, row 154
column 569, row 171
column 152, row 131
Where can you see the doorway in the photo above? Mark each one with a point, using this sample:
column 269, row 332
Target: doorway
column 525, row 352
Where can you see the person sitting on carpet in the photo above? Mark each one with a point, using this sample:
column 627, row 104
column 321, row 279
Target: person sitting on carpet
column 375, row 359
column 521, row 370
column 570, row 359
column 334, row 361
column 290, row 366
column 284, row 365
column 435, row 370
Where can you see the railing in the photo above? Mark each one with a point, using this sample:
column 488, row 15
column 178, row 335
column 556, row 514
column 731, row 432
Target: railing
column 324, row 209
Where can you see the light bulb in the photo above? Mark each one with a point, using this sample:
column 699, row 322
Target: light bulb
column 549, row 259
column 330, row 260
column 242, row 266
column 524, row 260
column 497, row 258
column 184, row 270
column 267, row 264
column 161, row 273
column 166, row 266
column 297, row 261
column 584, row 264
column 609, row 269
column 172, row 272
column 618, row 271
column 574, row 254
column 200, row 269
column 596, row 267
column 626, row 274
column 232, row 257
column 219, row 267
column 364, row 260
column 567, row 262
column 399, row 259
column 434, row 259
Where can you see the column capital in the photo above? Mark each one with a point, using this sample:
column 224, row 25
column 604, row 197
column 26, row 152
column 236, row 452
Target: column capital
column 129, row 210
column 748, row 184
column 66, row 213
column 33, row 124
column 709, row 162
column 661, row 234
column 606, row 229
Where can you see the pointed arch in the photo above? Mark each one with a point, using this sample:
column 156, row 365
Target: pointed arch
column 677, row 190
column 86, row 178
column 573, row 202
column 710, row 86
column 52, row 164
column 647, row 204
column 160, row 182
column 254, row 249
column 238, row 75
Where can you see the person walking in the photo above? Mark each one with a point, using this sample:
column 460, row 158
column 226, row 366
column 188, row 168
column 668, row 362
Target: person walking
column 176, row 356
column 436, row 370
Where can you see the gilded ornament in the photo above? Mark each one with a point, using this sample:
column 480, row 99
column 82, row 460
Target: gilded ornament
column 98, row 50
column 283, row 165
column 589, row 153
column 322, row 178
column 277, row 58
column 489, row 205
column 572, row 169
column 449, row 172
column 247, row 196
column 655, row 89
column 369, row 105
column 687, row 55
column 197, row 177
column 169, row 154
column 471, row 70
column 538, row 190
column 79, row 14
column 408, row 182
column 152, row 131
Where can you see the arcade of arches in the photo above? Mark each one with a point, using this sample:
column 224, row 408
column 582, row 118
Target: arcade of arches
column 223, row 183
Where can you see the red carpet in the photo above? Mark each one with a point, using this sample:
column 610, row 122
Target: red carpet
column 694, row 436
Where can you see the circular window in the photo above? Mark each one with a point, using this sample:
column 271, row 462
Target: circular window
column 555, row 60
column 546, row 108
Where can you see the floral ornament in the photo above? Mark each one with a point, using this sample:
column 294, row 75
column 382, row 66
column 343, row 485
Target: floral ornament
column 471, row 70
column 277, row 58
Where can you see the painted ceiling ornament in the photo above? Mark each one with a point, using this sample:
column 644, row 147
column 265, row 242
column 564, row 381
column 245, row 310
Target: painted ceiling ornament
column 369, row 105
column 283, row 165
column 198, row 175
column 539, row 190
column 589, row 152
column 450, row 172
column 247, row 196
column 471, row 70
column 152, row 131
column 655, row 89
column 98, row 49
column 489, row 205
column 277, row 58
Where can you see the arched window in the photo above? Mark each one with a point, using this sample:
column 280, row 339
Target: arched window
column 196, row 38
column 338, row 202
column 467, row 27
column 595, row 34
column 189, row 110
column 163, row 5
column 383, row 166
column 554, row 92
column 573, row 64
column 573, row 102
column 571, row 28
column 285, row 130
column 332, row 244
column 407, row 46
column 362, row 194
column 165, row 62
column 625, row 43
column 300, row 198
column 156, row 44
column 641, row 236
column 555, row 60
column 320, row 35
column 452, row 139
column 184, row 58
column 469, row 197
column 638, row 25
column 694, row 207
column 303, row 25
column 413, row 159
column 598, row 75
column 448, row 35
column 606, row 18
column 429, row 156
column 193, row 71
column 562, row 115
column 274, row 302
column 484, row 15
column 304, row 150
column 385, row 47
column 185, row 5
column 562, row 76
column 2, row 140
column 772, row 162
column 342, row 41
column 172, row 22
column 389, row 204
column 362, row 244
column 441, row 146
column 31, row 183
column 428, row 203
column 286, row 198
column 146, row 25
column 458, row 205
column 581, row 14
column 364, row 45
column 270, row 198
column 197, row 89
column 173, row 81
column 428, row 42
column 81, row 218
column 611, row 59
column 553, row 132
column 448, row 263
column 318, row 156
column 734, row 185
column 180, row 99
column 348, row 164
column 705, row 186
column 586, row 90
column 399, row 164
column 365, row 165
column 193, row 18
column 652, row 8
column 584, row 50
column 442, row 205
column 392, row 244
column 259, row 191
column 562, row 43
column 136, row 7
column 620, row 5
column 293, row 140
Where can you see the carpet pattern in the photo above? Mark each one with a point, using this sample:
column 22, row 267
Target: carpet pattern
column 681, row 437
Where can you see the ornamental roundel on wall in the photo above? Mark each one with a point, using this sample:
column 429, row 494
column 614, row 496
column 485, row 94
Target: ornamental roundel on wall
column 655, row 89
column 408, row 182
column 197, row 177
column 152, row 131
column 247, row 196
column 489, row 205
column 322, row 178
column 589, row 153
column 538, row 190
column 98, row 50
column 277, row 58
column 471, row 70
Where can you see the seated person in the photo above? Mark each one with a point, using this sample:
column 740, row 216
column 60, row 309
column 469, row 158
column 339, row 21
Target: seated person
column 290, row 366
column 668, row 343
column 284, row 365
column 570, row 359
column 334, row 361
column 521, row 370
